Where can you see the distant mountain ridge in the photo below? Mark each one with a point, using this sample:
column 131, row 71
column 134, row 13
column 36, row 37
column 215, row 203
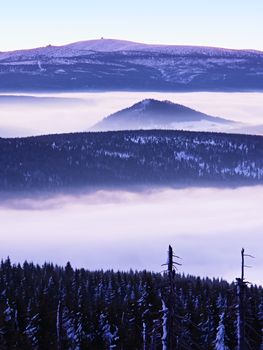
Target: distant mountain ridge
column 109, row 64
column 114, row 45
column 154, row 114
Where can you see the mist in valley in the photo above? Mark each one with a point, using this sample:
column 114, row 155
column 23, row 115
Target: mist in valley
column 131, row 229
column 40, row 114
column 121, row 230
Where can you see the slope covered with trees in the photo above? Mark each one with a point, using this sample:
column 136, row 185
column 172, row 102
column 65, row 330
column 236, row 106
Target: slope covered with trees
column 124, row 158
column 50, row 307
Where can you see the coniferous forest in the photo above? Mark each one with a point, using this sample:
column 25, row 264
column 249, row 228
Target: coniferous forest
column 50, row 307
column 124, row 158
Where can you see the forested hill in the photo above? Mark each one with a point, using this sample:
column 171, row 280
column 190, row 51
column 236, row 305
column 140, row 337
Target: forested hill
column 51, row 307
column 154, row 157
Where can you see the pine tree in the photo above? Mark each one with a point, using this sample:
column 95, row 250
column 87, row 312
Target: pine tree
column 164, row 326
column 108, row 332
column 220, row 342
column 32, row 331
column 11, row 330
column 207, row 328
column 260, row 316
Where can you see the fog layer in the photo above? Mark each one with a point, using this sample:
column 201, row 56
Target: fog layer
column 123, row 230
column 71, row 112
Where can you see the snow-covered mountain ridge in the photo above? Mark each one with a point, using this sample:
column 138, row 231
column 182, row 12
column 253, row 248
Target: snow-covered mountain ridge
column 108, row 64
column 113, row 45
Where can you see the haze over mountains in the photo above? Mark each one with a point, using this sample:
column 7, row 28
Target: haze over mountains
column 154, row 114
column 108, row 64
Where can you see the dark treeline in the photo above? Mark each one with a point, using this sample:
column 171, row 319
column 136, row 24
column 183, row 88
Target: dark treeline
column 51, row 307
column 153, row 157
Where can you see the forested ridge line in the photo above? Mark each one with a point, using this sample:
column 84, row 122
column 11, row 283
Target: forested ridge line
column 123, row 158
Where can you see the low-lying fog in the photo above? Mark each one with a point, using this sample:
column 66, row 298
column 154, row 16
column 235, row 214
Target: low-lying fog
column 123, row 230
column 69, row 112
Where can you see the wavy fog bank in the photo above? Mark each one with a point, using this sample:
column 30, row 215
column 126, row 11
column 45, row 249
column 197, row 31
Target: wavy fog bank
column 123, row 230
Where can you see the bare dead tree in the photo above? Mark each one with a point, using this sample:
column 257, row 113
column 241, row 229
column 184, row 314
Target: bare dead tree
column 169, row 340
column 241, row 295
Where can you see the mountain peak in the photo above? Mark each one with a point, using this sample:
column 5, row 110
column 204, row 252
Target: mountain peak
column 146, row 104
column 104, row 45
column 111, row 45
column 114, row 45
column 151, row 105
column 155, row 114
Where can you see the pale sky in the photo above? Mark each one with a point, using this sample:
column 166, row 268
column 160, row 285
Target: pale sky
column 223, row 23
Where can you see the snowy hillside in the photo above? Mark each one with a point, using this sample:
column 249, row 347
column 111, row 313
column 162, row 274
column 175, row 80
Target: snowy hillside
column 154, row 114
column 125, row 158
column 110, row 64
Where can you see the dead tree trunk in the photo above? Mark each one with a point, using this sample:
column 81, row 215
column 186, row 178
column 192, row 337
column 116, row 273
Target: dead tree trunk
column 240, row 315
column 169, row 341
column 241, row 291
column 171, row 302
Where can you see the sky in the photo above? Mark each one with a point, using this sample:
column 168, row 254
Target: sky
column 221, row 23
